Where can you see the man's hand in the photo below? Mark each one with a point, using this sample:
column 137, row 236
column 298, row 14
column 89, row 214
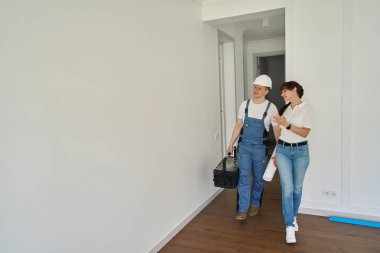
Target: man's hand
column 230, row 150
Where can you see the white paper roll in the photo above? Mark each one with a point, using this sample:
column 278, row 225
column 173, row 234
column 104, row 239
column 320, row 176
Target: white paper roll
column 271, row 169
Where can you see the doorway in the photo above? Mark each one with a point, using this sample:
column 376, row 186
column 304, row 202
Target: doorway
column 261, row 34
column 274, row 67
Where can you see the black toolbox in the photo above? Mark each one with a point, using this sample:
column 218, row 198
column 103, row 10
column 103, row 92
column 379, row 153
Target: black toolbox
column 226, row 174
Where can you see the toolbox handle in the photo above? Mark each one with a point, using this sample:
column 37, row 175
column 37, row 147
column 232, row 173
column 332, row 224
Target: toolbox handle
column 224, row 163
column 225, row 159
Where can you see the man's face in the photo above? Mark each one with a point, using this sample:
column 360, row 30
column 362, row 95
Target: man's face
column 260, row 91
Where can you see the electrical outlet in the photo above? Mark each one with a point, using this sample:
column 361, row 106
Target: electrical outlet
column 328, row 193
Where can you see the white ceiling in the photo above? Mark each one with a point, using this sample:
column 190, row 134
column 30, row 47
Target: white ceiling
column 254, row 30
column 252, row 24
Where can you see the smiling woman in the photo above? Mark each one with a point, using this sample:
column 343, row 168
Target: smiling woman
column 292, row 152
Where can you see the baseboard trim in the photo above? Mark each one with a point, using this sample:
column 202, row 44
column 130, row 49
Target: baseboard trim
column 339, row 212
column 180, row 226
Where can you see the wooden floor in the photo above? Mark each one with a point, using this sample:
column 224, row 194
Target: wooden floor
column 216, row 230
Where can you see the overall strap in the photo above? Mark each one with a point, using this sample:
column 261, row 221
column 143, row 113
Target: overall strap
column 245, row 117
column 246, row 108
column 266, row 110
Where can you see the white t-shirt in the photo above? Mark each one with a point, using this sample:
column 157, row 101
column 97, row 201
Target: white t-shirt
column 257, row 110
column 299, row 116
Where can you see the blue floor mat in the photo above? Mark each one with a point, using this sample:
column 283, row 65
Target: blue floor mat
column 355, row 222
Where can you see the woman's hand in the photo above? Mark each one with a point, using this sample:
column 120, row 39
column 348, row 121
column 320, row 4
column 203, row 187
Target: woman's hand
column 274, row 161
column 281, row 120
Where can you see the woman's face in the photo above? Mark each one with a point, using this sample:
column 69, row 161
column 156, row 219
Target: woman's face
column 288, row 95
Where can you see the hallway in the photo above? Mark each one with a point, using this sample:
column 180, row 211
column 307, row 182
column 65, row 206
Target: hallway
column 215, row 230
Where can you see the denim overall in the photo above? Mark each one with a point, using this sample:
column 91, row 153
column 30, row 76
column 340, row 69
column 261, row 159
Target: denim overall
column 252, row 155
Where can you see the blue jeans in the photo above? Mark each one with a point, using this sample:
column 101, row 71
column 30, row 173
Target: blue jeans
column 252, row 162
column 292, row 164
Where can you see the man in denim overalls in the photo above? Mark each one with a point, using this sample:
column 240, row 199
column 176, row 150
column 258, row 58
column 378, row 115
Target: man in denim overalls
column 252, row 126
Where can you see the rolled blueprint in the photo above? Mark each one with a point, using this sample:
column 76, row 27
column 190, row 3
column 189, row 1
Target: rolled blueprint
column 271, row 169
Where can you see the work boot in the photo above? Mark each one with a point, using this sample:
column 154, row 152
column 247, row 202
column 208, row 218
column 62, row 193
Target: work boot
column 241, row 216
column 253, row 211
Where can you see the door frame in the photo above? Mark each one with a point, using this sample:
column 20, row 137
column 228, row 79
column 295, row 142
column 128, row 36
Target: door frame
column 226, row 114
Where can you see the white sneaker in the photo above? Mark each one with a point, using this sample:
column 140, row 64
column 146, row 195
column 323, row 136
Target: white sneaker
column 295, row 224
column 290, row 235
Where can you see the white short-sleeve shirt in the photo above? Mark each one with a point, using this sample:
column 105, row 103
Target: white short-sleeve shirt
column 299, row 116
column 257, row 110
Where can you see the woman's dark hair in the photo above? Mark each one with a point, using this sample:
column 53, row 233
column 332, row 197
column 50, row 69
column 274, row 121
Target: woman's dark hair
column 291, row 85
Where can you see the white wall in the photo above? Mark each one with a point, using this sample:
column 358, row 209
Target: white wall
column 315, row 61
column 340, row 82
column 259, row 47
column 109, row 110
column 365, row 90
